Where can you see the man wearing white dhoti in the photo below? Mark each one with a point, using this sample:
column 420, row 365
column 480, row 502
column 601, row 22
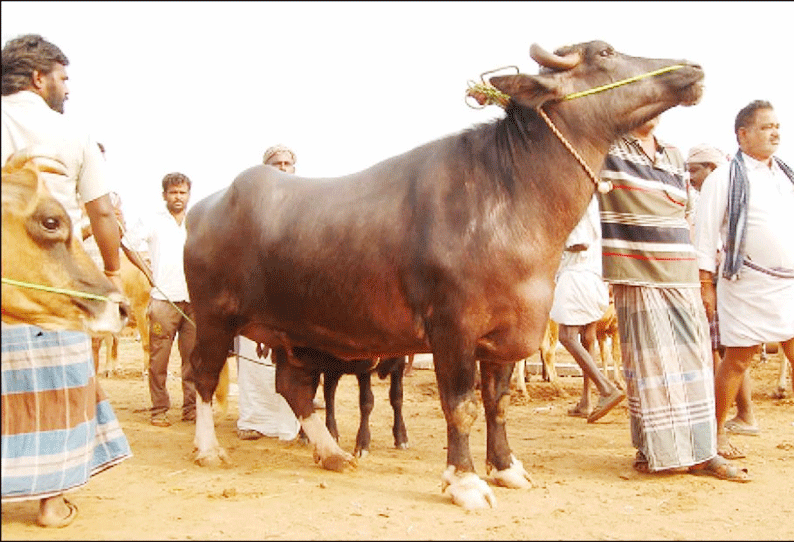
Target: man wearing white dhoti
column 749, row 205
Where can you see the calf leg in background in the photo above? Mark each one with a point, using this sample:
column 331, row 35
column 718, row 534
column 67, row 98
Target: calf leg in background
column 788, row 351
column 396, row 399
column 96, row 345
column 113, row 354
column 330, row 385
column 781, row 390
column 409, row 366
column 366, row 402
column 496, row 400
column 548, row 356
column 520, row 374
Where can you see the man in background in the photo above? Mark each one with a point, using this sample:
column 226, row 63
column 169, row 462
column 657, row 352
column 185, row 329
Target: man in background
column 170, row 313
column 747, row 207
column 263, row 411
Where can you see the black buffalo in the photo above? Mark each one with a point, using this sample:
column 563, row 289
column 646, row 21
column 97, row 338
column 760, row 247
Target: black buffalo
column 450, row 249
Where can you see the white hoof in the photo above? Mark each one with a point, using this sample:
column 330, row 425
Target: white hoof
column 212, row 458
column 467, row 489
column 514, row 477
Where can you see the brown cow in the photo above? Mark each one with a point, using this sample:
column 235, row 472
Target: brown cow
column 136, row 288
column 64, row 289
column 611, row 358
column 548, row 355
column 450, row 249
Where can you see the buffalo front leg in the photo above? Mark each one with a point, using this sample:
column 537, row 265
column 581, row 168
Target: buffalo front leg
column 455, row 378
column 294, row 382
column 496, row 400
column 208, row 358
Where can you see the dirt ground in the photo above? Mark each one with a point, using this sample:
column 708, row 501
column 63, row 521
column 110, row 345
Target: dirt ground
column 585, row 487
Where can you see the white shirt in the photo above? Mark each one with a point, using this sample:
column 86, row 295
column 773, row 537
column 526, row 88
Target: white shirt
column 757, row 307
column 27, row 121
column 166, row 241
column 770, row 216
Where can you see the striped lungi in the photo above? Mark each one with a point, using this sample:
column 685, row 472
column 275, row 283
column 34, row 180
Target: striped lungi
column 667, row 363
column 58, row 429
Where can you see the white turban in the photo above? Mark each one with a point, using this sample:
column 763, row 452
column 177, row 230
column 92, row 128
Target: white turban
column 275, row 149
column 706, row 154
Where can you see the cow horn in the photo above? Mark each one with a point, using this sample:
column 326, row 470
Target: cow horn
column 554, row 61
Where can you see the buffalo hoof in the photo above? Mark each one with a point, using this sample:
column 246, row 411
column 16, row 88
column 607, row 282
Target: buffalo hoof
column 362, row 453
column 467, row 489
column 513, row 477
column 213, row 458
column 336, row 462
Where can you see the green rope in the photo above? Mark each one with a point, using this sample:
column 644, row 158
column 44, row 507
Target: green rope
column 55, row 290
column 622, row 82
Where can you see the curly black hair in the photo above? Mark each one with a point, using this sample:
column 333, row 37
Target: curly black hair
column 24, row 54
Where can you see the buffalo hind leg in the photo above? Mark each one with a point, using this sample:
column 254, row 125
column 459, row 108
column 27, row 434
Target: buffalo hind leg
column 496, row 400
column 294, row 382
column 208, row 358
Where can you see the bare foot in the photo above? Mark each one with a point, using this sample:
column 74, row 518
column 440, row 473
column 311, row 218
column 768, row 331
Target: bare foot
column 56, row 512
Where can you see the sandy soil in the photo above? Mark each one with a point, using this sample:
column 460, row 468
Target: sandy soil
column 585, row 487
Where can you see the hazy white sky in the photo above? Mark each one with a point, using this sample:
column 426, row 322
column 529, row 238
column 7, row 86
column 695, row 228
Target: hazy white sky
column 205, row 87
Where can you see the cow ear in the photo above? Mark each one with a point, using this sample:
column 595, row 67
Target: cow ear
column 529, row 90
column 19, row 188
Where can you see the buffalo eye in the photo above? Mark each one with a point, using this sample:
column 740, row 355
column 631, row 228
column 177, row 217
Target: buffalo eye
column 605, row 53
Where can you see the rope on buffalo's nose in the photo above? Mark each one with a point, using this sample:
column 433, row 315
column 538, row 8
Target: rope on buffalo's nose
column 486, row 94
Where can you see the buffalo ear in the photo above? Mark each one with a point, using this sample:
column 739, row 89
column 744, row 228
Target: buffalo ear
column 529, row 90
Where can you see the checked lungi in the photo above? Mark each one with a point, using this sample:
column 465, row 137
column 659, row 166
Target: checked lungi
column 667, row 365
column 58, row 429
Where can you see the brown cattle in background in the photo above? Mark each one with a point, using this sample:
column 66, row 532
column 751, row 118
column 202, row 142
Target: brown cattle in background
column 137, row 289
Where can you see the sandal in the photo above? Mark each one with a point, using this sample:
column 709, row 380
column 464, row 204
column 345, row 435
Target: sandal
column 605, row 404
column 738, row 428
column 578, row 412
column 160, row 420
column 729, row 451
column 64, row 521
column 641, row 463
column 249, row 434
column 719, row 467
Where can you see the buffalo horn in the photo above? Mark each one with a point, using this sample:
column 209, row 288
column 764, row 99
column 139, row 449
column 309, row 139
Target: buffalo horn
column 554, row 61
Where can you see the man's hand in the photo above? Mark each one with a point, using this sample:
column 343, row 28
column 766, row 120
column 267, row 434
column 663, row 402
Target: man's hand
column 116, row 281
column 708, row 294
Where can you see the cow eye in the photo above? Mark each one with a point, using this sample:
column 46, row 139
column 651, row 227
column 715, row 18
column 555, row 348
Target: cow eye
column 50, row 223
column 606, row 52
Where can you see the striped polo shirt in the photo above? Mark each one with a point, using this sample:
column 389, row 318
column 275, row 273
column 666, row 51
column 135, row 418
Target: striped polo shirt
column 646, row 239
